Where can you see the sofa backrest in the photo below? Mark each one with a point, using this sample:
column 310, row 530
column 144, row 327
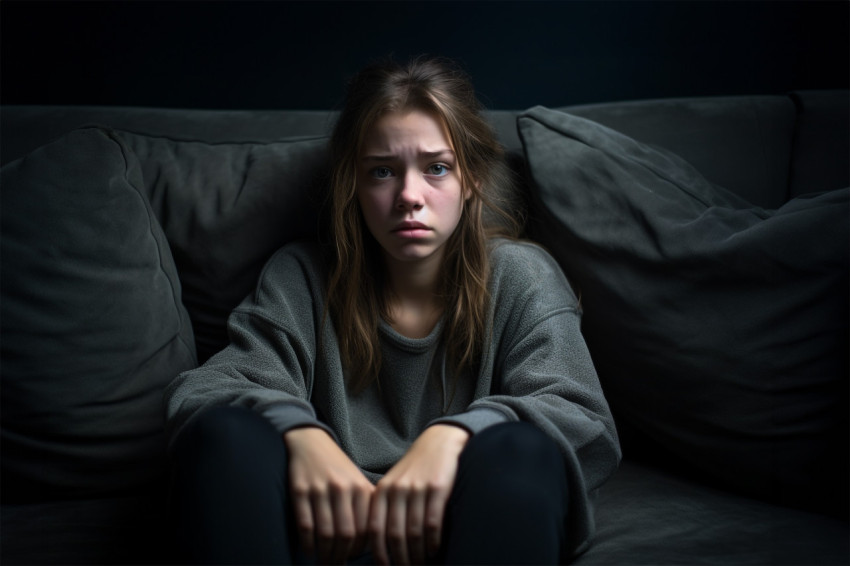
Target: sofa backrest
column 767, row 149
column 227, row 186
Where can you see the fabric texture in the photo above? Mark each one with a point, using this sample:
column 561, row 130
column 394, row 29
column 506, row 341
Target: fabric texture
column 719, row 329
column 646, row 515
column 225, row 209
column 745, row 142
column 535, row 369
column 92, row 323
column 127, row 529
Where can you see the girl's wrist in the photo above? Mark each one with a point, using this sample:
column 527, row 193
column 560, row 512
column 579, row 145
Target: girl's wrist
column 449, row 433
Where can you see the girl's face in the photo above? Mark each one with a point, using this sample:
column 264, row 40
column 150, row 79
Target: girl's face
column 409, row 186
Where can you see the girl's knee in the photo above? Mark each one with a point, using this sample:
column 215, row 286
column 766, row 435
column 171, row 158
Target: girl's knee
column 226, row 431
column 511, row 488
column 514, row 461
column 515, row 444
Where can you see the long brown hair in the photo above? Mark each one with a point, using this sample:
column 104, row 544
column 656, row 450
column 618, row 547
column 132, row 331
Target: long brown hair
column 357, row 297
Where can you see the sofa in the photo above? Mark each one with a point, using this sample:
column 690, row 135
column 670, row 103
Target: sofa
column 707, row 238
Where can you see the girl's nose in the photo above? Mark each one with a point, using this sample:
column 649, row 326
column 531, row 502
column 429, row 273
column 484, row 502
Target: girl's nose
column 410, row 195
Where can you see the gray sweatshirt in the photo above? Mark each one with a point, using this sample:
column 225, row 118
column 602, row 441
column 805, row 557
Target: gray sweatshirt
column 284, row 363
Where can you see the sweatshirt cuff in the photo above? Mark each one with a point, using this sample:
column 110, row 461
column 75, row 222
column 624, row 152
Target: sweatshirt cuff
column 287, row 416
column 475, row 420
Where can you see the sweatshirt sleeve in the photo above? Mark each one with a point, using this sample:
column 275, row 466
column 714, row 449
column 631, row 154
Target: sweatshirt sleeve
column 268, row 366
column 542, row 372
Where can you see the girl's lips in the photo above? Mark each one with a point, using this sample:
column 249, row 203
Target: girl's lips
column 411, row 229
column 413, row 233
column 410, row 225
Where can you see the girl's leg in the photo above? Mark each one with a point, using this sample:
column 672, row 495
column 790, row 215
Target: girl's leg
column 509, row 502
column 229, row 491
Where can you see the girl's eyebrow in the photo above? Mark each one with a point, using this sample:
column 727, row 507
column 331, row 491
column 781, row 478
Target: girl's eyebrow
column 426, row 154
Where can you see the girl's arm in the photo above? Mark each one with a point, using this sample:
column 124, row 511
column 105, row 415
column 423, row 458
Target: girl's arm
column 269, row 364
column 268, row 367
column 538, row 369
column 537, row 366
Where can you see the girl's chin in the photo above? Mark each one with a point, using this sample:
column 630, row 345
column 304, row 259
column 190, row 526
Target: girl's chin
column 411, row 252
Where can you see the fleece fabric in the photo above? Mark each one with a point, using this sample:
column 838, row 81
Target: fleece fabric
column 283, row 361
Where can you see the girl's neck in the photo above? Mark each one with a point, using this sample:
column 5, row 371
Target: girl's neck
column 415, row 306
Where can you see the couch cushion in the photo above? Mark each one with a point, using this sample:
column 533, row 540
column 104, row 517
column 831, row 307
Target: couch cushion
column 645, row 515
column 742, row 143
column 821, row 141
column 225, row 208
column 131, row 529
column 92, row 323
column 24, row 128
column 719, row 329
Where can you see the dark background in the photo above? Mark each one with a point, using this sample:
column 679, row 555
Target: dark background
column 227, row 54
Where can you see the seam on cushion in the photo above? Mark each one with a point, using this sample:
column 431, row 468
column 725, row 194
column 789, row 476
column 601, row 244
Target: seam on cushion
column 799, row 108
column 762, row 143
column 652, row 170
column 296, row 139
column 246, row 168
column 176, row 303
column 178, row 337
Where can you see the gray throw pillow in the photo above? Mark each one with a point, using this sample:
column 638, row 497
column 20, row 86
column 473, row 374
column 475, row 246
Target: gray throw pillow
column 226, row 208
column 719, row 329
column 92, row 323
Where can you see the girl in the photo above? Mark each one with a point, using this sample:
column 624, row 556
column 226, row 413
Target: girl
column 417, row 391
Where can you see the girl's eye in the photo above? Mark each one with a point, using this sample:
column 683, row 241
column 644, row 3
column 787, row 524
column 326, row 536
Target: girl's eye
column 438, row 169
column 381, row 172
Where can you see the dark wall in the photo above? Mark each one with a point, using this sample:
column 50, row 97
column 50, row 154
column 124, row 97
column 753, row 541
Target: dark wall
column 297, row 54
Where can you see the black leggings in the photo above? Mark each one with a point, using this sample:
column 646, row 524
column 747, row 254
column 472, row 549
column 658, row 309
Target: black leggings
column 229, row 496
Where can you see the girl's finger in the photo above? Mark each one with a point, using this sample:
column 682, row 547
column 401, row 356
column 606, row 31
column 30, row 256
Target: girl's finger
column 360, row 509
column 378, row 527
column 416, row 525
column 433, row 518
column 323, row 515
column 305, row 523
column 344, row 526
column 397, row 527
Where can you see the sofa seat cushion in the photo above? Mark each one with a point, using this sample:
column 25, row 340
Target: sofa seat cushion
column 92, row 323
column 225, row 208
column 719, row 329
column 646, row 515
column 130, row 529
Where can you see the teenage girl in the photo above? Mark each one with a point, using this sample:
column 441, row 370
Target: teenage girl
column 416, row 391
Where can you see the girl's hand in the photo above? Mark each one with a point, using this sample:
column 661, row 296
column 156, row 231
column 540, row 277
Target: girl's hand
column 406, row 517
column 331, row 496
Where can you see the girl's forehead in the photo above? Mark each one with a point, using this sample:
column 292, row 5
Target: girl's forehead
column 409, row 129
